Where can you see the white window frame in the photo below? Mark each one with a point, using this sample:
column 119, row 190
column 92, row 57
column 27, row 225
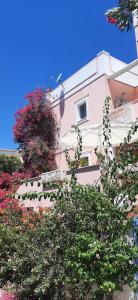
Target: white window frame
column 86, row 154
column 77, row 104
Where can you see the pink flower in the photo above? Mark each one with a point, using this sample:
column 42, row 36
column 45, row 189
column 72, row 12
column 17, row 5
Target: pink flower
column 7, row 296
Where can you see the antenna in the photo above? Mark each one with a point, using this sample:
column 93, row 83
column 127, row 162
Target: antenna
column 58, row 80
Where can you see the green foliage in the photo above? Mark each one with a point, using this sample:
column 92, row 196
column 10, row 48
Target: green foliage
column 90, row 233
column 82, row 239
column 9, row 164
column 74, row 163
column 24, row 261
column 119, row 179
column 84, row 162
column 80, row 250
column 122, row 15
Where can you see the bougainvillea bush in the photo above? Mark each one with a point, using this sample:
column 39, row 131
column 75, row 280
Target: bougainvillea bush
column 35, row 130
column 9, row 205
column 10, row 183
column 7, row 296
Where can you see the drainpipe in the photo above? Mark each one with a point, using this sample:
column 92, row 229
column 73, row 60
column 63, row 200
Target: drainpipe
column 135, row 20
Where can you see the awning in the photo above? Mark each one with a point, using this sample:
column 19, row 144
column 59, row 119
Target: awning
column 92, row 136
column 128, row 74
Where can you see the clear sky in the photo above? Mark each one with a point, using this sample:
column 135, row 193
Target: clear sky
column 41, row 38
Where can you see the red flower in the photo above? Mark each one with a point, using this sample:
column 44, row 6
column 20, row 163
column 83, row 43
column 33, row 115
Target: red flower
column 112, row 20
column 35, row 131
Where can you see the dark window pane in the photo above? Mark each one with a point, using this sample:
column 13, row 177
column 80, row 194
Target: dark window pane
column 82, row 111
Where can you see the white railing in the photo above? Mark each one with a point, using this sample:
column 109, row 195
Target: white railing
column 57, row 175
column 124, row 114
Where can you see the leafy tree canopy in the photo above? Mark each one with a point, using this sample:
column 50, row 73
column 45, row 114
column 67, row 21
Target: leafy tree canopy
column 9, row 164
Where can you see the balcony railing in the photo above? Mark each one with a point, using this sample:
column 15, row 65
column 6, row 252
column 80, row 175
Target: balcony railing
column 57, row 175
column 126, row 113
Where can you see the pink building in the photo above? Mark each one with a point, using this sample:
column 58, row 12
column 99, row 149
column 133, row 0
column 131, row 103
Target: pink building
column 79, row 100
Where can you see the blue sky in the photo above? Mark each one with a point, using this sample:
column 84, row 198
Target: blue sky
column 41, row 38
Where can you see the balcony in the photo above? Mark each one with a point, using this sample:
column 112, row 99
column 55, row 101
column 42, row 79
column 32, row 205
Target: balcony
column 125, row 114
column 57, row 175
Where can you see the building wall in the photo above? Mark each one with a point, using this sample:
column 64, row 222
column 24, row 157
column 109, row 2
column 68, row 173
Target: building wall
column 117, row 88
column 95, row 92
column 64, row 110
column 126, row 294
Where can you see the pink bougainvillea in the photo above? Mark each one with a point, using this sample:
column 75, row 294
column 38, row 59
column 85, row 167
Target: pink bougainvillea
column 8, row 186
column 11, row 182
column 7, row 202
column 7, row 296
column 35, row 131
column 6, row 181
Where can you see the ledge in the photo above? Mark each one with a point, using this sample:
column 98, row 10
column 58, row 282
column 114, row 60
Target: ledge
column 86, row 169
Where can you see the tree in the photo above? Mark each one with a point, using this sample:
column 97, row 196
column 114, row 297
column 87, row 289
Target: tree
column 122, row 15
column 9, row 164
column 92, row 254
column 79, row 251
column 35, row 130
column 25, row 253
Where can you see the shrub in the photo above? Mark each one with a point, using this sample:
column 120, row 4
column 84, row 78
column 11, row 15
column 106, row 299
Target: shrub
column 9, row 164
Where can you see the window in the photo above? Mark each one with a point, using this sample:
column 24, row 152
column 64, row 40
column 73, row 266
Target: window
column 84, row 160
column 81, row 110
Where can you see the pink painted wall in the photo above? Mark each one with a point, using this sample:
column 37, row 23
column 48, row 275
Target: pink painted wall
column 88, row 177
column 117, row 88
column 124, row 295
column 36, row 204
column 131, row 95
column 135, row 109
column 96, row 92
